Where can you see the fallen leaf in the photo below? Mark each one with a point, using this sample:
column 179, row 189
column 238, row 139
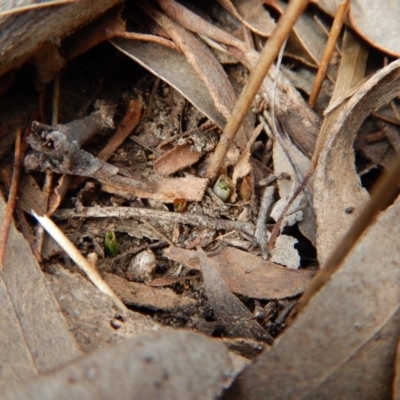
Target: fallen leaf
column 338, row 182
column 141, row 295
column 178, row 158
column 384, row 17
column 252, row 14
column 247, row 274
column 362, row 13
column 307, row 42
column 125, row 128
column 344, row 342
column 173, row 68
column 164, row 364
column 90, row 314
column 229, row 311
column 35, row 335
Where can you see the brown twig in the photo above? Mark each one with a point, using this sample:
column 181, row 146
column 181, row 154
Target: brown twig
column 12, row 197
column 329, row 49
column 268, row 55
column 145, row 38
column 157, row 232
column 132, row 212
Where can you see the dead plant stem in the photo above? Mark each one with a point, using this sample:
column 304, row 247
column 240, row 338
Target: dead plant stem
column 329, row 49
column 132, row 212
column 267, row 57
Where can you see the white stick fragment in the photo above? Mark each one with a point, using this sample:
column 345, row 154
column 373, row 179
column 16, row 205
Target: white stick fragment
column 53, row 230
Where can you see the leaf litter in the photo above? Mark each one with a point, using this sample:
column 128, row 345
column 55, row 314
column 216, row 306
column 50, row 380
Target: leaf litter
column 152, row 190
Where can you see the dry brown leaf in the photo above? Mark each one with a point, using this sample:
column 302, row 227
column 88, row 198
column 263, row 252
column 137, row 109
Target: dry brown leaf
column 180, row 157
column 308, row 40
column 343, row 344
column 206, row 66
column 29, row 191
column 396, row 380
column 377, row 23
column 164, row 364
column 229, row 311
column 291, row 109
column 336, row 180
column 90, row 314
column 141, row 295
column 173, row 68
column 374, row 21
column 258, row 279
column 252, row 14
column 94, row 33
column 35, row 335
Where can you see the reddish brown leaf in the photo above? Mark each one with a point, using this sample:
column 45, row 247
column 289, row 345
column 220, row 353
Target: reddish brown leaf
column 247, row 274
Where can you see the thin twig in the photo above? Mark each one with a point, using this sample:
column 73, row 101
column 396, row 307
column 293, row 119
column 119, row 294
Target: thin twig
column 157, row 232
column 268, row 55
column 132, row 212
column 12, row 197
column 329, row 49
column 55, row 232
column 145, row 37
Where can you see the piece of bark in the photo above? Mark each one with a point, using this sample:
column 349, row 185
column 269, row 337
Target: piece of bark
column 164, row 364
column 307, row 224
column 34, row 337
column 33, row 28
column 158, row 188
